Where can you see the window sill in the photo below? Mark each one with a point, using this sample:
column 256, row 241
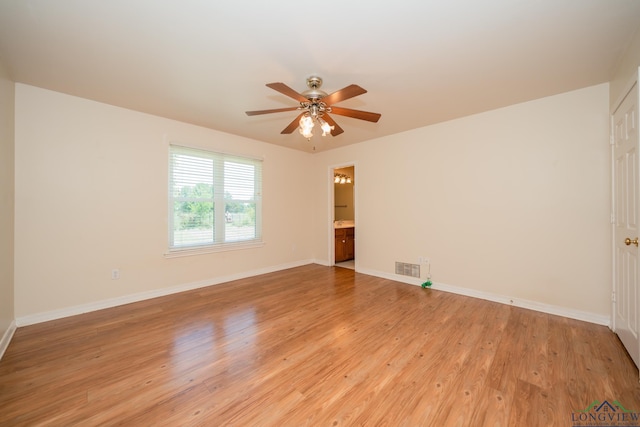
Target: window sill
column 201, row 250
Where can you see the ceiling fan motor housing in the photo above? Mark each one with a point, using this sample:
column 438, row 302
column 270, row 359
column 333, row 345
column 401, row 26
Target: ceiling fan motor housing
column 314, row 92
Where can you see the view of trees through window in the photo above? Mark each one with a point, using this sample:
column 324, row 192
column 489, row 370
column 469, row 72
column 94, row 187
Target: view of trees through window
column 196, row 220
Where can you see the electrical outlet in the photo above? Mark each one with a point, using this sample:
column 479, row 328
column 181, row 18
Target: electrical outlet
column 115, row 274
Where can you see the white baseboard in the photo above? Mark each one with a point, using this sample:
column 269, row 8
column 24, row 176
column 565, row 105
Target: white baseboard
column 323, row 262
column 127, row 299
column 598, row 319
column 6, row 338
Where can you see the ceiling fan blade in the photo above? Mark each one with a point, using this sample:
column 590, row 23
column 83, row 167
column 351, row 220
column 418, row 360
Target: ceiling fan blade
column 356, row 114
column 286, row 90
column 337, row 130
column 293, row 125
column 342, row 94
column 277, row 110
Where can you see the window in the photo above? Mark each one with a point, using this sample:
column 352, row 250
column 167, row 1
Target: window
column 214, row 199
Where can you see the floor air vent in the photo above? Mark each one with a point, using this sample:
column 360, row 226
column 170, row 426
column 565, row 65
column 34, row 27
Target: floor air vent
column 406, row 269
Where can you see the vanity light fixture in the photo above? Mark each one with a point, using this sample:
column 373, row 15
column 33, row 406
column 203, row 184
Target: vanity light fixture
column 340, row 178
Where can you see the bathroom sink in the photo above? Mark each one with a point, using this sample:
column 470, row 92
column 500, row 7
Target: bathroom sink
column 344, row 224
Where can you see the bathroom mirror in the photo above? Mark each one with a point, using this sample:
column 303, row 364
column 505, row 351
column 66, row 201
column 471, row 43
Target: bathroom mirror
column 343, row 194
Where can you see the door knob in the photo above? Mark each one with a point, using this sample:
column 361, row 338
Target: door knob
column 628, row 241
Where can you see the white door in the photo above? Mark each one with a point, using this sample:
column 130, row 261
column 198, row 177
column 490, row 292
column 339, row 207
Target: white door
column 626, row 179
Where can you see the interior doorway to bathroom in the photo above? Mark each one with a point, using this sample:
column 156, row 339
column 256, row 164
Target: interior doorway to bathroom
column 344, row 217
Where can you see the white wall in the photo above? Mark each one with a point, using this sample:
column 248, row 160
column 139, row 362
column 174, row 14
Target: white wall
column 513, row 202
column 91, row 195
column 6, row 203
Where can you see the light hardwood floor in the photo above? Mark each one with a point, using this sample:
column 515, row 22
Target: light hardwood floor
column 316, row 346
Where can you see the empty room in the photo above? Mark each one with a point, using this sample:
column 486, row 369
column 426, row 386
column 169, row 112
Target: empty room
column 413, row 213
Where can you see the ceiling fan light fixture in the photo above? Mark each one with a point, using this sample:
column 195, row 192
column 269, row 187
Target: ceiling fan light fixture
column 326, row 128
column 306, row 126
column 306, row 122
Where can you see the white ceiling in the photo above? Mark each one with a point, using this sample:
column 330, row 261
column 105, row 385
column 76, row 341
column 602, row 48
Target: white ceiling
column 206, row 62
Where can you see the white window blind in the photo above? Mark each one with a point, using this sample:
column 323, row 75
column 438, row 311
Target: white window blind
column 215, row 199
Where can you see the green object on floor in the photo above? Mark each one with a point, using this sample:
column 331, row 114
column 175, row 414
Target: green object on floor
column 426, row 284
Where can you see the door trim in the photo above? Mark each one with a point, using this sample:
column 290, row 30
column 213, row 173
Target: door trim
column 331, row 212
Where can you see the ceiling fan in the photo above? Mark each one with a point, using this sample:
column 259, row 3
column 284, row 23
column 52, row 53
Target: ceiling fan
column 315, row 106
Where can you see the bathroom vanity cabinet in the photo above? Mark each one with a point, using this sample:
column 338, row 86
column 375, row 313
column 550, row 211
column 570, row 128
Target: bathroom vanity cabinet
column 345, row 243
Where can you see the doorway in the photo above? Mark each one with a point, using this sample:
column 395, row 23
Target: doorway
column 344, row 216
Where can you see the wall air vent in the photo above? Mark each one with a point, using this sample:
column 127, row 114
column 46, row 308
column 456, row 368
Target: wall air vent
column 406, row 269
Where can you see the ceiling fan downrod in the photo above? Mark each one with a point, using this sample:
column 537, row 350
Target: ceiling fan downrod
column 314, row 93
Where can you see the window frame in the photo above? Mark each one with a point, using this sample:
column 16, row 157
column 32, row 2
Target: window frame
column 219, row 241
